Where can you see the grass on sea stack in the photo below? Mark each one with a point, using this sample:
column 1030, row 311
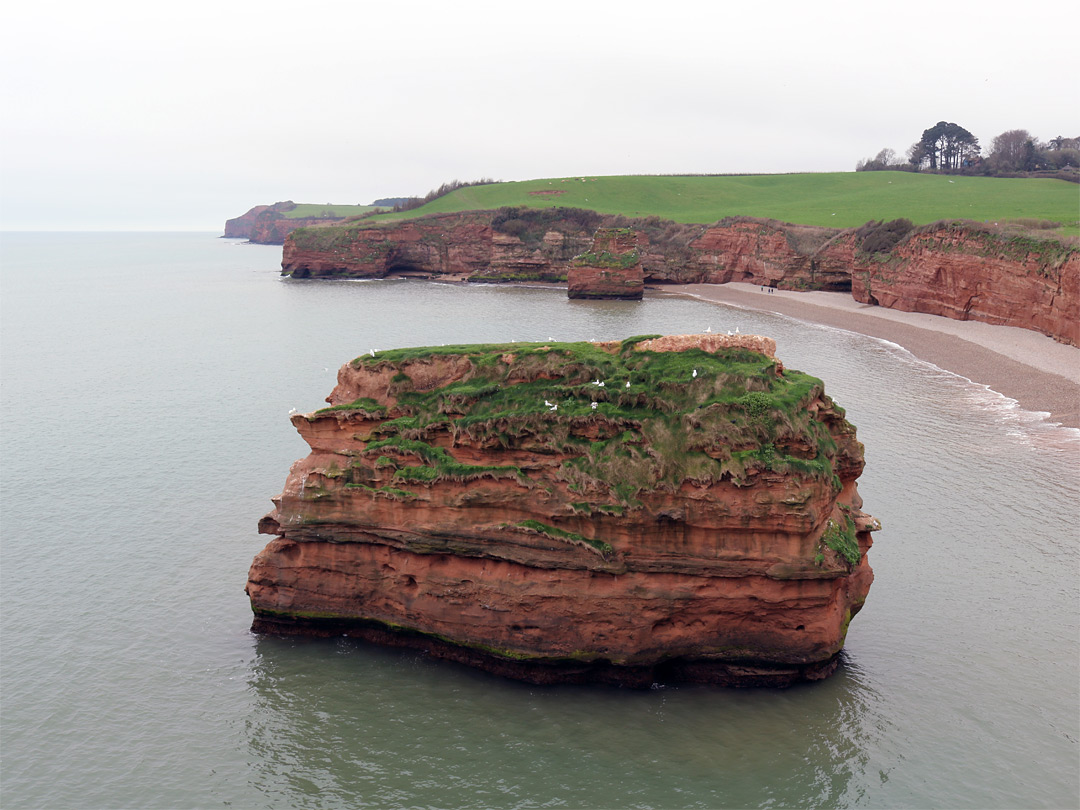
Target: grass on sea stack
column 658, row 419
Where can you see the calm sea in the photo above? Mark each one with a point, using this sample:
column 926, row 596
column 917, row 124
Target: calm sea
column 146, row 383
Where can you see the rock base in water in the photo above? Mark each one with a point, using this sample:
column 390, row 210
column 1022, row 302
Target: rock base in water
column 660, row 509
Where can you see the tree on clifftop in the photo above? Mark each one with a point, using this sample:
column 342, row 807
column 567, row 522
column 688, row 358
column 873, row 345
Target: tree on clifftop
column 945, row 147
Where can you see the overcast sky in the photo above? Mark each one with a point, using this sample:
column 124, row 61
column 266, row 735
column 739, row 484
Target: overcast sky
column 136, row 115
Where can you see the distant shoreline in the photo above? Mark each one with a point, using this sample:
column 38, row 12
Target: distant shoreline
column 1038, row 372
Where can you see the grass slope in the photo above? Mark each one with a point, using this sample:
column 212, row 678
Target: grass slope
column 303, row 210
column 840, row 200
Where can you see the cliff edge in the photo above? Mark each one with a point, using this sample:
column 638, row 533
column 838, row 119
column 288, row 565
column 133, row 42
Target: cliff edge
column 664, row 508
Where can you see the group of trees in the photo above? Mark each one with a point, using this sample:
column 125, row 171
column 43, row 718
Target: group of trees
column 410, row 203
column 949, row 148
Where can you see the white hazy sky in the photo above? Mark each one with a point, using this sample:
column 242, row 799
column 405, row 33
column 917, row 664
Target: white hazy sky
column 137, row 115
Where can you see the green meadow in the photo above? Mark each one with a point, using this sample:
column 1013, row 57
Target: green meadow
column 303, row 210
column 839, row 200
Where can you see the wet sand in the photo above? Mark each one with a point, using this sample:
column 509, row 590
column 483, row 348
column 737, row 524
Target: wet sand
column 1037, row 371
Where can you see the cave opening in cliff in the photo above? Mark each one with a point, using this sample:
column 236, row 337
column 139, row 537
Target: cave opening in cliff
column 402, row 268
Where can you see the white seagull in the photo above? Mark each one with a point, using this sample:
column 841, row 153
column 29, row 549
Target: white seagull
column 555, row 407
column 708, row 330
column 371, row 352
column 594, row 406
column 695, row 373
column 547, row 403
column 627, row 383
column 736, row 330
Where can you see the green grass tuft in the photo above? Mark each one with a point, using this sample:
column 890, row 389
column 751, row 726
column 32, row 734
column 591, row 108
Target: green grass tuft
column 841, row 539
column 562, row 534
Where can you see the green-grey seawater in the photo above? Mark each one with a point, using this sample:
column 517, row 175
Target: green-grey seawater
column 146, row 381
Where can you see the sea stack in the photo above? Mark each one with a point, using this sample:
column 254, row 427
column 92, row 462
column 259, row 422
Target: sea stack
column 610, row 269
column 660, row 509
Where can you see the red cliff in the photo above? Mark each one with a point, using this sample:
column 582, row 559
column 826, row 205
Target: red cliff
column 967, row 272
column 269, row 225
column 610, row 269
column 241, row 227
column 677, row 508
column 960, row 270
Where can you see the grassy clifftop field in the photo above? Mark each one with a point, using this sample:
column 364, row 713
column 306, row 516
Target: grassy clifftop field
column 839, row 200
column 304, row 210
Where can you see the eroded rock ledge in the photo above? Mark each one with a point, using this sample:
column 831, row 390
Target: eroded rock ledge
column 661, row 508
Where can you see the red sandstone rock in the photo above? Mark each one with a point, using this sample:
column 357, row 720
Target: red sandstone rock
column 959, row 271
column 240, row 227
column 718, row 579
column 268, row 225
column 971, row 273
column 610, row 269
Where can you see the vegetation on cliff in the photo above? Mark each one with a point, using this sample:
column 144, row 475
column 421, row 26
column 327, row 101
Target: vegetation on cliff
column 625, row 420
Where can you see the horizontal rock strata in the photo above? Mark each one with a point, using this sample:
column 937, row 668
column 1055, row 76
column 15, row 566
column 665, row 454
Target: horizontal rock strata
column 664, row 508
column 959, row 270
column 610, row 269
column 966, row 272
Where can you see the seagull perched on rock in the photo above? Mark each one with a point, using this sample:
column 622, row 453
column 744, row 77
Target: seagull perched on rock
column 736, row 330
column 292, row 411
column 371, row 352
column 708, row 330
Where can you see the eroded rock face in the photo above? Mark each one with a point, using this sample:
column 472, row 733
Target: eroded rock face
column 968, row 273
column 448, row 246
column 960, row 271
column 240, row 227
column 695, row 517
column 268, row 224
column 610, row 269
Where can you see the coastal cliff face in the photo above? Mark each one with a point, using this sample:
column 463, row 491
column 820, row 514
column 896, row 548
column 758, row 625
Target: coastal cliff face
column 695, row 517
column 958, row 270
column 611, row 268
column 962, row 271
column 241, row 227
column 268, row 225
column 453, row 246
column 538, row 246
